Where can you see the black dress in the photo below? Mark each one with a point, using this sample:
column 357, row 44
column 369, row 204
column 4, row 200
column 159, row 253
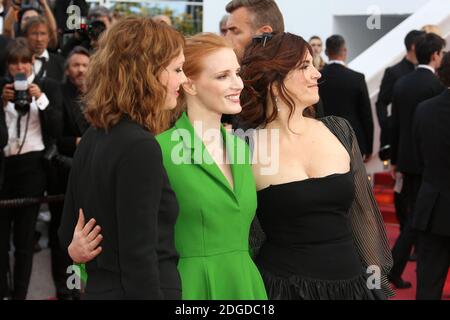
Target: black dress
column 321, row 234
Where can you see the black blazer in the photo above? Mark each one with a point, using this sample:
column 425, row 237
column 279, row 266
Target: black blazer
column 432, row 135
column 118, row 178
column 53, row 68
column 74, row 122
column 344, row 93
column 391, row 76
column 51, row 117
column 409, row 91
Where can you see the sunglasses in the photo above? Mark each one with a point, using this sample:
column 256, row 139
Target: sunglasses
column 263, row 38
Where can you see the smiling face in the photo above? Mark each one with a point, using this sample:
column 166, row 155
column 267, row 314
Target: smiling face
column 172, row 77
column 218, row 86
column 302, row 82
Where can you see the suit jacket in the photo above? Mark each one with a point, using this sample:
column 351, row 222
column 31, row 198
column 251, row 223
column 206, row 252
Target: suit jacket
column 74, row 122
column 432, row 134
column 53, row 68
column 391, row 76
column 344, row 93
column 409, row 91
column 118, row 178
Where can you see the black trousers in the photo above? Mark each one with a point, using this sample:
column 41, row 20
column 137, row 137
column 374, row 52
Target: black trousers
column 433, row 263
column 24, row 177
column 57, row 177
column 408, row 236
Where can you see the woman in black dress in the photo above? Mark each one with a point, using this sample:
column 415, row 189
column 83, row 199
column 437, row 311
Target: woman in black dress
column 322, row 234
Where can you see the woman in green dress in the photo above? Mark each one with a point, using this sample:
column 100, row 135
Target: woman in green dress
column 210, row 171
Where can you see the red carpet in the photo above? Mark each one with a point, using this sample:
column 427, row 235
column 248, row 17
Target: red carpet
column 410, row 272
column 384, row 194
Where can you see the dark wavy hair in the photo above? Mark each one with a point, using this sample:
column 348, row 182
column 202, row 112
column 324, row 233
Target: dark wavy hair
column 444, row 70
column 265, row 65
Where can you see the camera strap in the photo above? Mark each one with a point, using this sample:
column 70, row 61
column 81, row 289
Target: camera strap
column 26, row 131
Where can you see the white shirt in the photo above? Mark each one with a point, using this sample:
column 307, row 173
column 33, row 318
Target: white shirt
column 425, row 66
column 38, row 64
column 337, row 62
column 33, row 141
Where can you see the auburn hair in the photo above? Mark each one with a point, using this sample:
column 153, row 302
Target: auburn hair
column 123, row 74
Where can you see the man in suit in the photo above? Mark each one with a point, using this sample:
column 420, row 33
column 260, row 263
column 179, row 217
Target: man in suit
column 344, row 93
column 409, row 91
column 73, row 88
column 30, row 133
column 47, row 65
column 74, row 126
column 391, row 75
column 432, row 212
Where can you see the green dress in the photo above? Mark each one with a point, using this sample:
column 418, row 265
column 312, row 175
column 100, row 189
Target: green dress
column 212, row 230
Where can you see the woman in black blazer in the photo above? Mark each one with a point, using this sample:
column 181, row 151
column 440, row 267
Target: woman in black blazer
column 117, row 176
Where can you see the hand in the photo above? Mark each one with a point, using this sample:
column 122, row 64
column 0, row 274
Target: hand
column 8, row 94
column 393, row 171
column 35, row 91
column 84, row 246
column 77, row 141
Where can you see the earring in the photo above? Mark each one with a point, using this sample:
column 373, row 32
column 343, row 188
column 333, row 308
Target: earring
column 276, row 104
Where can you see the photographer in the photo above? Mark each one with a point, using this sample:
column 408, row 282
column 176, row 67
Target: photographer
column 21, row 11
column 99, row 20
column 33, row 119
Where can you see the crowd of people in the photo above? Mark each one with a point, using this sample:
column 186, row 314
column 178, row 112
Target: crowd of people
column 164, row 201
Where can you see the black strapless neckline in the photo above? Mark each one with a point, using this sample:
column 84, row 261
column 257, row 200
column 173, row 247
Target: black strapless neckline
column 329, row 176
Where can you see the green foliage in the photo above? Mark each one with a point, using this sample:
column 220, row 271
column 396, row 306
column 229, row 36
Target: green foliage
column 188, row 23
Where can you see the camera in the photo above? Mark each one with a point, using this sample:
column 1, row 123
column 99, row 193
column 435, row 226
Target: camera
column 91, row 30
column 22, row 98
column 26, row 4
